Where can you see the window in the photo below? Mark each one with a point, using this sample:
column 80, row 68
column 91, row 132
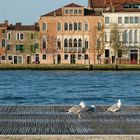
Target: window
column 86, row 44
column 9, row 36
column 66, row 57
column 79, row 57
column 32, row 36
column 44, row 26
column 136, row 36
column 75, row 11
column 8, row 47
column 136, row 19
column 59, row 44
column 75, row 42
column 3, row 42
column 131, row 20
column 66, row 26
column 19, row 47
column 66, row 11
column 70, row 27
column 80, row 43
column 130, row 36
column 44, row 44
column 125, row 36
column 99, row 26
column 119, row 20
column 3, row 57
column 86, row 56
column 106, row 53
column 17, row 36
column 119, row 52
column 3, row 31
column 126, row 20
column 75, row 26
column 58, row 26
column 66, row 42
column 71, row 11
column 86, row 26
column 79, row 26
column 10, row 57
column 70, row 42
column 107, row 20
column 80, row 11
column 21, row 36
column 44, row 57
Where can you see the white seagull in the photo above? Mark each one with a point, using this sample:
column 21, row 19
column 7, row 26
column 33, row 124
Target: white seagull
column 115, row 107
column 77, row 108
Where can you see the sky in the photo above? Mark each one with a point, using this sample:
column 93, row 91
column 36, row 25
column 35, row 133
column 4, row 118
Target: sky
column 28, row 11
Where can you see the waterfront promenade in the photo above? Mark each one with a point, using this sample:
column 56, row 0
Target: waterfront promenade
column 53, row 120
column 68, row 67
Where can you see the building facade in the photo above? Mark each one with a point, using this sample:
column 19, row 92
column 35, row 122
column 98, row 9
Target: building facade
column 125, row 15
column 22, row 43
column 3, row 44
column 69, row 36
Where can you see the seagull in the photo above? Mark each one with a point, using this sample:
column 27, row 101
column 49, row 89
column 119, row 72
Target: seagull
column 89, row 108
column 77, row 109
column 115, row 107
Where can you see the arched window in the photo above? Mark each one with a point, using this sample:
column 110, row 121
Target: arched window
column 130, row 36
column 75, row 26
column 58, row 44
column 80, row 26
column 44, row 44
column 59, row 26
column 66, row 42
column 125, row 36
column 86, row 26
column 44, row 26
column 75, row 42
column 136, row 36
column 66, row 26
column 80, row 42
column 70, row 42
column 99, row 26
column 70, row 26
column 86, row 44
column 3, row 42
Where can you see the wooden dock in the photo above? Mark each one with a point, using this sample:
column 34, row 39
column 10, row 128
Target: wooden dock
column 53, row 120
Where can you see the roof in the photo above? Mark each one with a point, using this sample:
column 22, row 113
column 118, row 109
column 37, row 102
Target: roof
column 59, row 12
column 73, row 5
column 21, row 27
column 116, row 4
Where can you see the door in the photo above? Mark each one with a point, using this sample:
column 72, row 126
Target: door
column 73, row 59
column 59, row 59
column 28, row 59
column 133, row 57
column 15, row 59
column 37, row 59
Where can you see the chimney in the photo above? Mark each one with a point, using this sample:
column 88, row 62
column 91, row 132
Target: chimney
column 18, row 24
column 54, row 14
column 90, row 4
column 6, row 22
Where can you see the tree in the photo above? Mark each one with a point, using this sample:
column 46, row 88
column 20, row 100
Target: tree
column 115, row 41
column 52, row 46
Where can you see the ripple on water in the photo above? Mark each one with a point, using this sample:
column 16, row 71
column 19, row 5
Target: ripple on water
column 69, row 87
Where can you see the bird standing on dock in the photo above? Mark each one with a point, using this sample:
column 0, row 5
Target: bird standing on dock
column 77, row 109
column 115, row 107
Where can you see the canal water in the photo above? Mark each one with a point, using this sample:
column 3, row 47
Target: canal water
column 69, row 87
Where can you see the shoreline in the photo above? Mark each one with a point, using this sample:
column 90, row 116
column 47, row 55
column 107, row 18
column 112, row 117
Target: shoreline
column 107, row 67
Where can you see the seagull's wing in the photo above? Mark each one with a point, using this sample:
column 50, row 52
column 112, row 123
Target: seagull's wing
column 113, row 108
column 75, row 109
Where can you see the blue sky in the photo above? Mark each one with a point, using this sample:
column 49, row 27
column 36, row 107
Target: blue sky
column 28, row 11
